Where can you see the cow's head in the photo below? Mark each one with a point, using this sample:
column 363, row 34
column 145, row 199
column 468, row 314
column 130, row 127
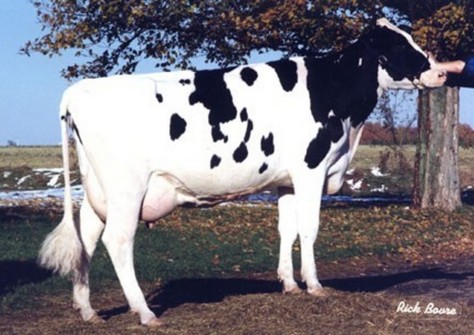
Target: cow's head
column 402, row 63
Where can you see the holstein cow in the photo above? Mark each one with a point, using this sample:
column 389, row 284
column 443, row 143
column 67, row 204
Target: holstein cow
column 149, row 143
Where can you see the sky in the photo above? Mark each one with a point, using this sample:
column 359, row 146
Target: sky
column 31, row 87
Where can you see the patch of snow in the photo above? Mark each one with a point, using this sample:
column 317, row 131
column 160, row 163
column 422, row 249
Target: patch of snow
column 54, row 180
column 6, row 174
column 49, row 170
column 350, row 172
column 355, row 186
column 380, row 189
column 375, row 170
column 77, row 194
column 53, row 173
column 22, row 179
column 52, row 170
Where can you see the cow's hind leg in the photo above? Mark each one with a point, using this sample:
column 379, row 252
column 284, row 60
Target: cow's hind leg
column 287, row 227
column 90, row 228
column 122, row 220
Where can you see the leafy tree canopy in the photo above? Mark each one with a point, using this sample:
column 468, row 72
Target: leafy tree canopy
column 115, row 35
column 443, row 27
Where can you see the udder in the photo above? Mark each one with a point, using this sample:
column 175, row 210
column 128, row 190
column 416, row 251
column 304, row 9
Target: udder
column 160, row 199
column 334, row 183
column 336, row 172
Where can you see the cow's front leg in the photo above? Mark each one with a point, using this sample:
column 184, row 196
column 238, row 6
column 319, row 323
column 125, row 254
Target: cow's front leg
column 287, row 228
column 308, row 192
column 118, row 237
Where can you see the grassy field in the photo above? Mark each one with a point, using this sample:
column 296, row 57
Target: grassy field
column 366, row 156
column 33, row 157
column 200, row 267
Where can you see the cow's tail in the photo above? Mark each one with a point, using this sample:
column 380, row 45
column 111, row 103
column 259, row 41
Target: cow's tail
column 62, row 249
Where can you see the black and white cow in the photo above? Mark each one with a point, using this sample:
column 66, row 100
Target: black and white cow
column 150, row 143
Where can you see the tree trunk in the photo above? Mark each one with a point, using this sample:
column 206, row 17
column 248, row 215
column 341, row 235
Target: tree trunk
column 436, row 168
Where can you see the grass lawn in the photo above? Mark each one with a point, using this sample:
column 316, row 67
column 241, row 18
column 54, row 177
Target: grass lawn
column 33, row 157
column 233, row 242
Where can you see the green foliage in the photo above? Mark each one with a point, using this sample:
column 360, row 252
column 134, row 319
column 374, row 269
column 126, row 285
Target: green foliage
column 117, row 35
column 443, row 27
column 448, row 31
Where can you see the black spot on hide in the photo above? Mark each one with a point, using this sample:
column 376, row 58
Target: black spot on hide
column 218, row 135
column 287, row 73
column 318, row 148
column 211, row 90
column 185, row 82
column 248, row 131
column 266, row 145
column 248, row 75
column 177, row 126
column 344, row 83
column 215, row 161
column 335, row 129
column 159, row 97
column 241, row 153
column 263, row 168
column 243, row 115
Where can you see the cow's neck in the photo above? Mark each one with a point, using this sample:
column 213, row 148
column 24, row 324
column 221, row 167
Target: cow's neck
column 344, row 84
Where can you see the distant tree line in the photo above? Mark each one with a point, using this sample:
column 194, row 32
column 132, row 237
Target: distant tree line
column 376, row 133
column 12, row 143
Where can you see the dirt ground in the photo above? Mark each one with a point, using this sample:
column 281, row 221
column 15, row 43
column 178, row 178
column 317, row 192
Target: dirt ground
column 371, row 295
column 366, row 296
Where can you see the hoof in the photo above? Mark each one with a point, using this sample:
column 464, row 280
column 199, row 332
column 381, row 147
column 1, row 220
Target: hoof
column 90, row 316
column 154, row 323
column 318, row 292
column 95, row 319
column 293, row 290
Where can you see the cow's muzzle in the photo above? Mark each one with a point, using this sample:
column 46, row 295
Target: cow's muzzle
column 431, row 78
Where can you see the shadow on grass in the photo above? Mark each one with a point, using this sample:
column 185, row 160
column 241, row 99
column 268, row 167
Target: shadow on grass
column 428, row 279
column 214, row 290
column 206, row 290
column 178, row 292
column 17, row 273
